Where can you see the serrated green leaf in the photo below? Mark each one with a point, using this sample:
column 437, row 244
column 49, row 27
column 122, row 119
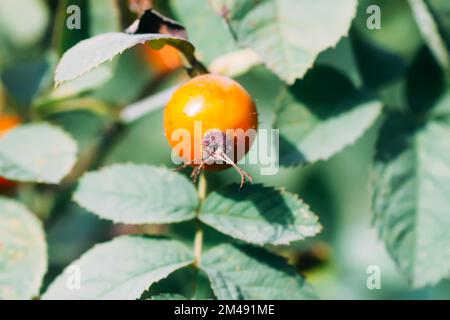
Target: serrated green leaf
column 321, row 115
column 288, row 35
column 120, row 269
column 130, row 68
column 83, row 84
column 37, row 153
column 244, row 273
column 259, row 214
column 201, row 22
column 410, row 197
column 430, row 32
column 137, row 194
column 96, row 17
column 440, row 10
column 91, row 53
column 342, row 59
column 23, row 252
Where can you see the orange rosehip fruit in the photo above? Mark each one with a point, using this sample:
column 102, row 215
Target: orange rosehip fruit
column 211, row 122
column 164, row 60
column 6, row 124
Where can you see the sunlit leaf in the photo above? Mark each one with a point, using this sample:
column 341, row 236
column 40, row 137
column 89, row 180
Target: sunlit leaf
column 120, row 269
column 137, row 194
column 321, row 115
column 288, row 35
column 246, row 273
column 342, row 59
column 430, row 32
column 201, row 22
column 23, row 252
column 91, row 53
column 259, row 214
column 37, row 153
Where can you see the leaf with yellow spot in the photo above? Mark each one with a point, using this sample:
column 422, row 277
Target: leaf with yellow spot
column 23, row 252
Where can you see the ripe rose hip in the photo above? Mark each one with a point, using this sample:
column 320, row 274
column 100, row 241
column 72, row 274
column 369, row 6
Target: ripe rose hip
column 216, row 112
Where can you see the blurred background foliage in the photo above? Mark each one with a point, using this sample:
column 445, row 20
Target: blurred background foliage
column 33, row 37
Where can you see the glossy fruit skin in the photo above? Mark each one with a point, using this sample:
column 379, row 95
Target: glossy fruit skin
column 220, row 103
column 164, row 60
column 7, row 123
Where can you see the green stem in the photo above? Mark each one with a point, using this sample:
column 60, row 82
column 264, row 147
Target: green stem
column 202, row 186
column 198, row 240
column 198, row 244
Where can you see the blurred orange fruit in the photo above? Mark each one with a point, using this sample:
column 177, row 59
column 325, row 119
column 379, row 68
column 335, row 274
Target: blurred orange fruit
column 163, row 61
column 7, row 123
